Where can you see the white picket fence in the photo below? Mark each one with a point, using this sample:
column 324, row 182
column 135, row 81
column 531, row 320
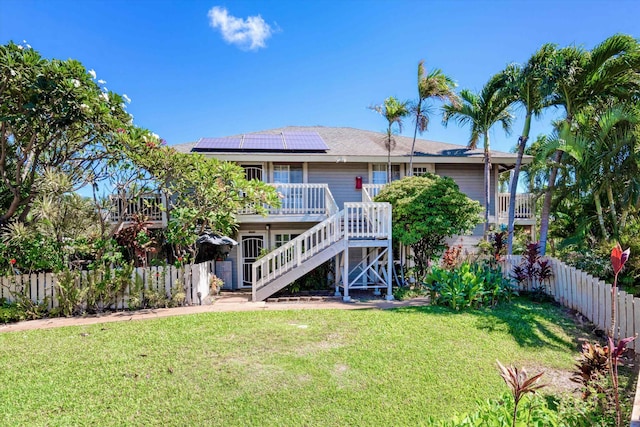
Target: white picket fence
column 591, row 297
column 42, row 286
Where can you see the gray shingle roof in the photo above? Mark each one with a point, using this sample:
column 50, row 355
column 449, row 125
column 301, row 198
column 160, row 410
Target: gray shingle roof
column 344, row 141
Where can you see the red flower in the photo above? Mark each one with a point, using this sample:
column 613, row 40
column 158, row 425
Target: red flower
column 619, row 257
column 179, row 259
column 12, row 261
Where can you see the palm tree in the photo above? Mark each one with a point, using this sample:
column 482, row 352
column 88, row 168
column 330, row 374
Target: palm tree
column 482, row 111
column 393, row 111
column 602, row 152
column 582, row 78
column 433, row 85
column 529, row 85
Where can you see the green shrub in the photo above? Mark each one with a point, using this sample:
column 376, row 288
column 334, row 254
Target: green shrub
column 10, row 312
column 469, row 285
column 537, row 410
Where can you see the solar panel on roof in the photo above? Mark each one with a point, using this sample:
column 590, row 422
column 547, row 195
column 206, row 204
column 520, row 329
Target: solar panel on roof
column 217, row 144
column 262, row 142
column 304, row 141
column 286, row 141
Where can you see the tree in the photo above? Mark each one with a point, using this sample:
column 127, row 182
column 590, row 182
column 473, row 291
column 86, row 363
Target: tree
column 393, row 111
column 529, row 85
column 482, row 111
column 426, row 211
column 603, row 156
column 610, row 72
column 203, row 194
column 433, row 85
column 53, row 116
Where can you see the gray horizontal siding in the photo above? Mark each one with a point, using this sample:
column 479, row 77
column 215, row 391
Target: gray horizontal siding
column 341, row 178
column 470, row 179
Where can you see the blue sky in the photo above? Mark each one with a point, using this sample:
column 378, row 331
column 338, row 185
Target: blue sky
column 308, row 63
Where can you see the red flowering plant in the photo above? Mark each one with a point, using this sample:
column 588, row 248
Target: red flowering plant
column 618, row 259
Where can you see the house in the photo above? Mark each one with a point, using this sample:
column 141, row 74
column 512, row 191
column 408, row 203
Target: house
column 327, row 178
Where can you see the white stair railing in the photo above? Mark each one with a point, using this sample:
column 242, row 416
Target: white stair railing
column 357, row 221
column 370, row 191
column 296, row 251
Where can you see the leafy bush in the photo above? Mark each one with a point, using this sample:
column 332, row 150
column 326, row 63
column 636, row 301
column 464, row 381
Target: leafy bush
column 409, row 292
column 426, row 211
column 10, row 312
column 533, row 273
column 538, row 410
column 470, row 285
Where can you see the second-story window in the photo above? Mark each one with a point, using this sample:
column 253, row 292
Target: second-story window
column 379, row 173
column 287, row 173
column 253, row 172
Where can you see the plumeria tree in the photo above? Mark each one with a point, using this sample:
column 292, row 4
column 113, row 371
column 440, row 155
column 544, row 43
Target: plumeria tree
column 201, row 194
column 55, row 116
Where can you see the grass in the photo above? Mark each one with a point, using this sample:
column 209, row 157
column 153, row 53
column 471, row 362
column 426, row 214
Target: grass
column 324, row 367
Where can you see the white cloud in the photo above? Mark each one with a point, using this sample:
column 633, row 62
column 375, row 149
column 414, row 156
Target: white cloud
column 250, row 34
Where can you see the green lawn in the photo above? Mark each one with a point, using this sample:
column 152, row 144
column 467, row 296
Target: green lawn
column 312, row 367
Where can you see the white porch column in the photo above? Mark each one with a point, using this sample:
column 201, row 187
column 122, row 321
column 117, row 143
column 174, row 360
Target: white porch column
column 338, row 275
column 345, row 272
column 389, row 296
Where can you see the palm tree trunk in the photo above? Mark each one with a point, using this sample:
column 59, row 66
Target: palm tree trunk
column 389, row 155
column 612, row 210
column 415, row 135
column 487, row 168
column 513, row 188
column 603, row 229
column 546, row 205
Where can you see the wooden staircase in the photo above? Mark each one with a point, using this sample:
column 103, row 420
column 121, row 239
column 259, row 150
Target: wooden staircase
column 357, row 225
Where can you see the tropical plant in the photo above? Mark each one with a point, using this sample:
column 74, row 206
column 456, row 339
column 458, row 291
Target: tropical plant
column 54, row 116
column 530, row 88
column 618, row 259
column 481, row 112
column 471, row 285
column 433, row 85
column 519, row 384
column 426, row 210
column 607, row 74
column 394, row 112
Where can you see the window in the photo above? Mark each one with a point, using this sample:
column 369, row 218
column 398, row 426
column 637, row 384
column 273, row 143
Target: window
column 281, row 239
column 379, row 173
column 419, row 171
column 253, row 172
column 287, row 173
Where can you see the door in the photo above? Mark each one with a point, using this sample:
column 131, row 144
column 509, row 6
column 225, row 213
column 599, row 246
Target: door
column 292, row 197
column 250, row 247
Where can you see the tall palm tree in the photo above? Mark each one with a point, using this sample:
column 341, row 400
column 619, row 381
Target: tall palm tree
column 529, row 85
column 393, row 111
column 482, row 111
column 582, row 78
column 603, row 155
column 433, row 85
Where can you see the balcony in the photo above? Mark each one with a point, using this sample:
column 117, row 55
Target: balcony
column 149, row 206
column 298, row 202
column 525, row 206
column 525, row 209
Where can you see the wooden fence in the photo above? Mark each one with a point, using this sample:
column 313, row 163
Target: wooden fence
column 589, row 296
column 41, row 287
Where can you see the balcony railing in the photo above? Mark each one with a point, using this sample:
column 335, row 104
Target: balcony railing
column 300, row 199
column 148, row 206
column 525, row 207
column 369, row 191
